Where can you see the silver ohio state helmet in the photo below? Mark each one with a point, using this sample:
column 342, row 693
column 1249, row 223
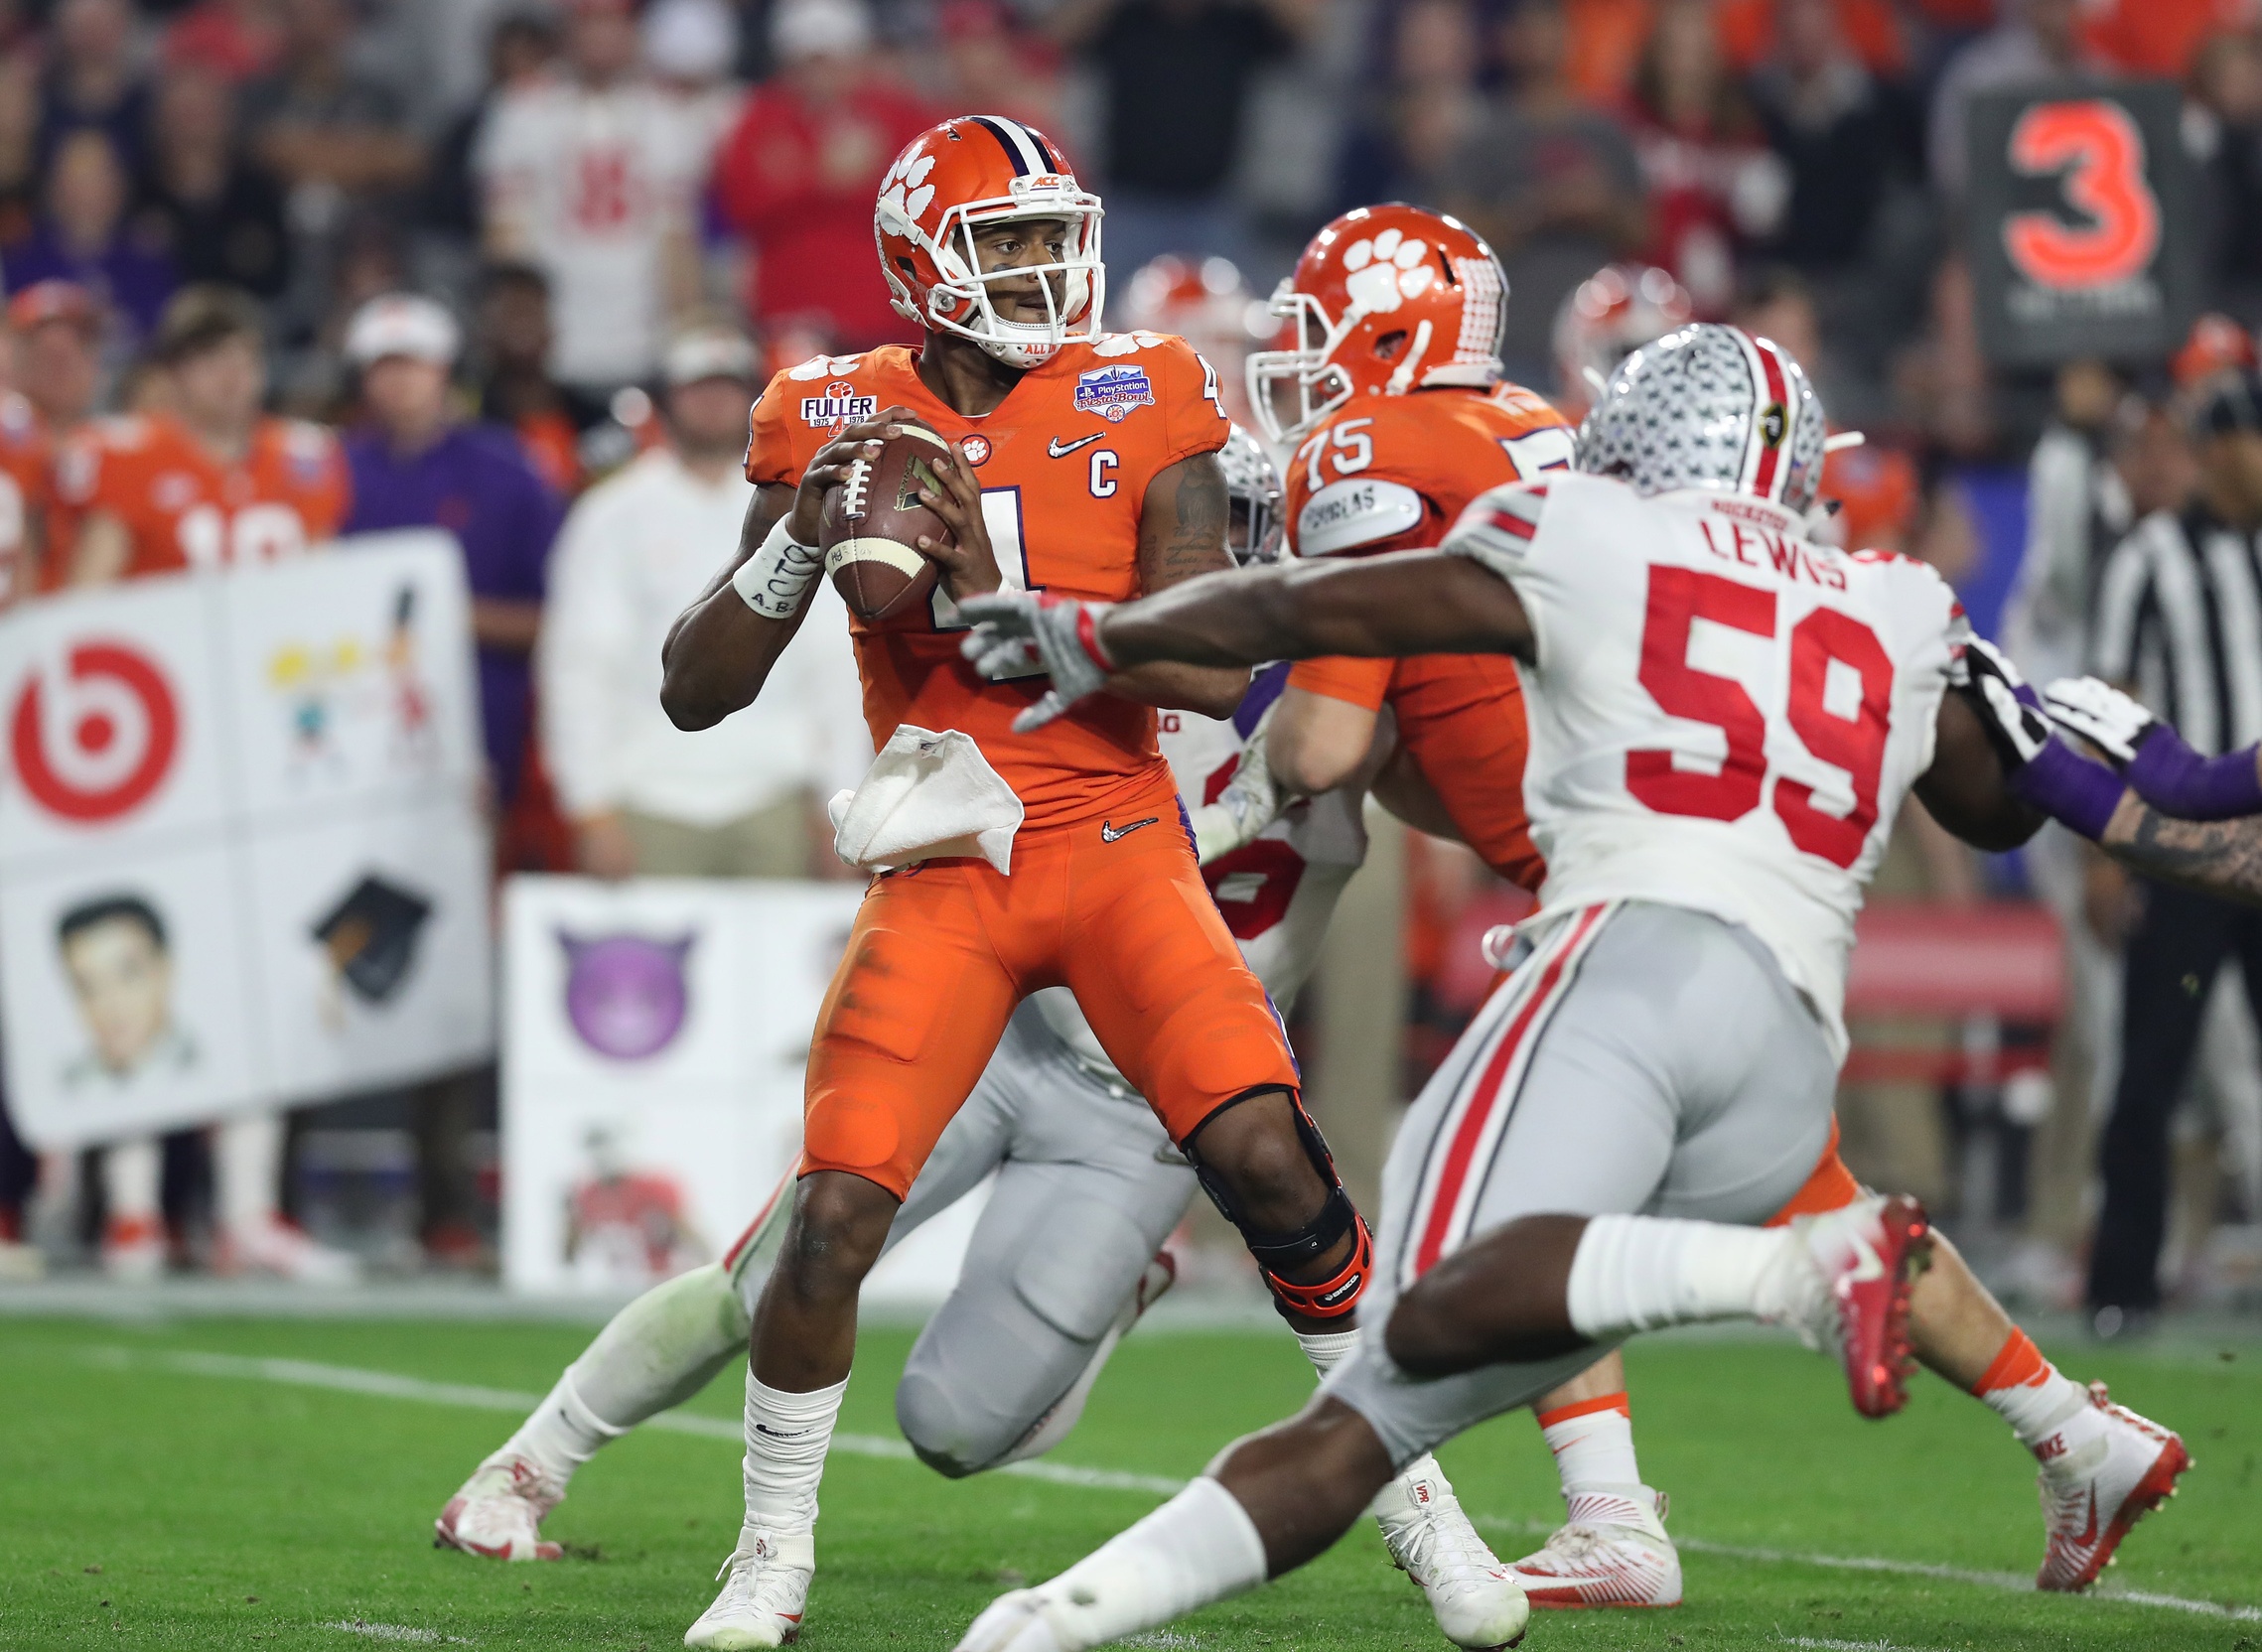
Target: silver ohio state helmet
column 1259, row 524
column 1709, row 406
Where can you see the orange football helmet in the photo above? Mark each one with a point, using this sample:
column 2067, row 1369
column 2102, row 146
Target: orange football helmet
column 1208, row 304
column 2216, row 345
column 1385, row 300
column 954, row 179
column 1613, row 312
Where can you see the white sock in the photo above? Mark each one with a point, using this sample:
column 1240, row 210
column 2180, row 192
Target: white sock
column 1199, row 1547
column 1639, row 1273
column 2039, row 1401
column 247, row 1170
column 1594, row 1451
column 1407, row 1494
column 663, row 1347
column 787, row 1435
column 131, row 1172
column 563, row 1432
column 1327, row 1349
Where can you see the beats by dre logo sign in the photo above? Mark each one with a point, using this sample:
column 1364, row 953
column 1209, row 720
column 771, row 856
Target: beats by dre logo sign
column 94, row 740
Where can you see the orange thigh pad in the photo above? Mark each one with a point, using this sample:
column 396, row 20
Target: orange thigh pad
column 914, row 1015
column 1163, row 984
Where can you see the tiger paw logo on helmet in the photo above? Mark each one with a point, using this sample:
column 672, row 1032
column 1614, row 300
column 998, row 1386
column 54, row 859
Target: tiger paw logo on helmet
column 1385, row 300
column 1386, row 269
column 959, row 179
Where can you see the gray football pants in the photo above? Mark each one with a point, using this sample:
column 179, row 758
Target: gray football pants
column 1642, row 1059
column 1089, row 1186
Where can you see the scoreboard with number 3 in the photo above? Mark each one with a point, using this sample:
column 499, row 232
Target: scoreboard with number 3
column 2080, row 224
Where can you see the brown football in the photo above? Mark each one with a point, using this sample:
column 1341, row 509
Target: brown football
column 873, row 523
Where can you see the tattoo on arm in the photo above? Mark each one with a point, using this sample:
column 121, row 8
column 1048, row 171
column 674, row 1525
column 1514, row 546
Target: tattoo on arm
column 2215, row 857
column 1196, row 542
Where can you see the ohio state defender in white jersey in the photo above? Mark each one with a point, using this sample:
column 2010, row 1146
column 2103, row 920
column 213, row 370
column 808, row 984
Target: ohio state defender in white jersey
column 1723, row 714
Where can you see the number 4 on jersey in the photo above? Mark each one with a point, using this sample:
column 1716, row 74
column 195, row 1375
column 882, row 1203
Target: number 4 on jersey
column 1851, row 737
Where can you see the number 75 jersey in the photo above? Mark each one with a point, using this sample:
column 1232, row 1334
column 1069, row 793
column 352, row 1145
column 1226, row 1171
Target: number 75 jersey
column 1723, row 715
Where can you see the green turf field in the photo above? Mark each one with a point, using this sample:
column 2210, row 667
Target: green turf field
column 183, row 1487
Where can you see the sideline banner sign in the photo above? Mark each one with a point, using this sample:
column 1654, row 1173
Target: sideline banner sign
column 242, row 859
column 655, row 1032
column 2081, row 222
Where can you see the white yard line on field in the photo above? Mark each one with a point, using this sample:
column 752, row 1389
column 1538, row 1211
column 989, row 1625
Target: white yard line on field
column 389, row 1384
column 394, row 1632
column 1850, row 1645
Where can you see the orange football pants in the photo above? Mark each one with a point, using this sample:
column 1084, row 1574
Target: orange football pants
column 942, row 951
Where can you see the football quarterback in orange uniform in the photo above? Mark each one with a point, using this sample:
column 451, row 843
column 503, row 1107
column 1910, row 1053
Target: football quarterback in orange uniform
column 211, row 483
column 1081, row 463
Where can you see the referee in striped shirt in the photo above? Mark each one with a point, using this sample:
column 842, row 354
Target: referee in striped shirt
column 2178, row 623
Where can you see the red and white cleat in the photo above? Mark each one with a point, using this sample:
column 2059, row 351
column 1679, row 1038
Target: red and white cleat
column 2093, row 1492
column 133, row 1249
column 498, row 1512
column 1611, row 1552
column 1852, row 1295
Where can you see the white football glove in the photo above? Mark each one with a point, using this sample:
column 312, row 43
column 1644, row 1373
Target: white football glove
column 2101, row 715
column 1017, row 631
column 1250, row 802
column 2018, row 727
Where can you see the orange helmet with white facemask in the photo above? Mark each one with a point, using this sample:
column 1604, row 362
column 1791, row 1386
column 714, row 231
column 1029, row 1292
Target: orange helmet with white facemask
column 963, row 176
column 1385, row 300
column 1612, row 313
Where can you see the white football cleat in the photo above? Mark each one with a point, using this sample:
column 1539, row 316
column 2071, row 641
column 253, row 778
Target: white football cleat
column 498, row 1512
column 1612, row 1551
column 1017, row 1623
column 1477, row 1600
column 2092, row 1493
column 1850, row 1274
column 765, row 1589
column 284, row 1249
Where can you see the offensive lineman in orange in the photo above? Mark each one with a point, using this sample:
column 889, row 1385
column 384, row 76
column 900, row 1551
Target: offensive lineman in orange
column 212, row 482
column 1084, row 464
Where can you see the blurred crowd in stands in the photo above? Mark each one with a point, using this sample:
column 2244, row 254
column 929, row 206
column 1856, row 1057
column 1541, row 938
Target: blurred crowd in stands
column 529, row 261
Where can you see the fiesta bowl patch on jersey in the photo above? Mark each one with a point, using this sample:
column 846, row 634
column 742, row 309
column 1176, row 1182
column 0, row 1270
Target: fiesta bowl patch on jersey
column 1112, row 392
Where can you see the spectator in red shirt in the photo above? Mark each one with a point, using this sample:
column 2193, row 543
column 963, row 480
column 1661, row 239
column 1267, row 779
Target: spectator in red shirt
column 796, row 176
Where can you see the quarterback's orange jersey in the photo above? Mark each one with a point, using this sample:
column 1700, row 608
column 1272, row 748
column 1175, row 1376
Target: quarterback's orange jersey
column 186, row 507
column 1391, row 473
column 1064, row 474
column 26, row 468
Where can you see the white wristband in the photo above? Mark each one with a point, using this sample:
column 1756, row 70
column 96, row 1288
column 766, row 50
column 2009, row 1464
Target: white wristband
column 774, row 581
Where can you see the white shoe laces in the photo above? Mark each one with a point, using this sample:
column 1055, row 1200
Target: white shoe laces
column 1440, row 1547
column 757, row 1579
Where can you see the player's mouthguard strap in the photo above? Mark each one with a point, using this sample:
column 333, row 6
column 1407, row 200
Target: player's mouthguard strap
column 2069, row 789
column 2177, row 781
column 774, row 581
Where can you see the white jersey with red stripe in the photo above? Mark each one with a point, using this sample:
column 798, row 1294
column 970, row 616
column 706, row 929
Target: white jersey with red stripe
column 1277, row 893
column 1725, row 715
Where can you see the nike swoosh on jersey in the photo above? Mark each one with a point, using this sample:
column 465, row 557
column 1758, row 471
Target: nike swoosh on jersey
column 1109, row 831
column 1057, row 449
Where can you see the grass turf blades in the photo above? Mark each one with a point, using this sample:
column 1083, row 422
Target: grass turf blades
column 193, row 1494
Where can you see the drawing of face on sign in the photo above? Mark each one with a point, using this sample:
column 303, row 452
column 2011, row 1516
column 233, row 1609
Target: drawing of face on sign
column 119, row 962
column 626, row 995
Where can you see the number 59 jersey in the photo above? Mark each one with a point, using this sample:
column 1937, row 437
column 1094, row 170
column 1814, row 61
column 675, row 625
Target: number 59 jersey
column 1723, row 715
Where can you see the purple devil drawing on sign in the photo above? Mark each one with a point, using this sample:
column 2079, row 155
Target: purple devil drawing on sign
column 626, row 994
